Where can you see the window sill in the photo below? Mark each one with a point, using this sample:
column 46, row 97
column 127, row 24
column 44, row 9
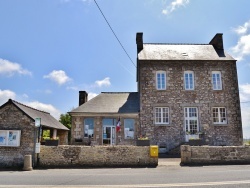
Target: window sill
column 222, row 124
column 161, row 124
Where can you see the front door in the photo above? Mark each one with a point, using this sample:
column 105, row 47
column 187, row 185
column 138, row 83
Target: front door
column 191, row 123
column 108, row 137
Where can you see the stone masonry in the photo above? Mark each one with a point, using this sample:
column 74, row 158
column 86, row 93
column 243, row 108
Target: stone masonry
column 12, row 118
column 203, row 97
column 77, row 131
column 206, row 155
column 97, row 156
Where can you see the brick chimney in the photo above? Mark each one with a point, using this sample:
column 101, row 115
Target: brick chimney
column 83, row 97
column 217, row 41
column 139, row 41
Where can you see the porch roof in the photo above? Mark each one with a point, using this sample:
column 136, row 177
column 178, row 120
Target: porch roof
column 111, row 102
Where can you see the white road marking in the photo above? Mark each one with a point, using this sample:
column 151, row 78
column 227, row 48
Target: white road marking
column 133, row 186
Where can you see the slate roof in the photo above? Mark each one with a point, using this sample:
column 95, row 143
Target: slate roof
column 182, row 52
column 46, row 119
column 111, row 102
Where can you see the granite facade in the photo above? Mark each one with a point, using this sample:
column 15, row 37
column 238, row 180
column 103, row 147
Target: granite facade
column 77, row 130
column 176, row 98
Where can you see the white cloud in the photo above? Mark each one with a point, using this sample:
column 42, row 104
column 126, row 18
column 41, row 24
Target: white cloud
column 44, row 107
column 104, row 82
column 245, row 108
column 242, row 48
column 58, row 76
column 5, row 95
column 174, row 5
column 242, row 29
column 92, row 95
column 10, row 68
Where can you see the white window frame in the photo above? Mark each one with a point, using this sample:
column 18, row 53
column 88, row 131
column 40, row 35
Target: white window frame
column 187, row 83
column 221, row 120
column 159, row 83
column 217, row 84
column 129, row 131
column 188, row 119
column 160, row 115
column 87, row 130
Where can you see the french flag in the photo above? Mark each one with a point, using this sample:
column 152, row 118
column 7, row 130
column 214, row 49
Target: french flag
column 118, row 125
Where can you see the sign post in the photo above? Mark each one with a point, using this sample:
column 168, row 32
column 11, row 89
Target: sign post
column 37, row 149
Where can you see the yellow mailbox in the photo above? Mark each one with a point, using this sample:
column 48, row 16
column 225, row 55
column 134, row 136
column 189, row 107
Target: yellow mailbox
column 153, row 151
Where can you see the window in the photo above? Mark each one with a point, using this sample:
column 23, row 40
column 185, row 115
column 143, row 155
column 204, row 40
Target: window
column 129, row 128
column 161, row 115
column 219, row 115
column 191, row 120
column 161, row 80
column 89, row 127
column 189, row 80
column 216, row 80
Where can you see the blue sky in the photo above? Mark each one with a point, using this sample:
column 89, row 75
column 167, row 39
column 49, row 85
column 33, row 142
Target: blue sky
column 51, row 49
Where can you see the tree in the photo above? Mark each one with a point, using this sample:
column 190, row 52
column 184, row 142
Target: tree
column 65, row 119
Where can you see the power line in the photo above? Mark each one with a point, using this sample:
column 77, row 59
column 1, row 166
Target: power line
column 114, row 33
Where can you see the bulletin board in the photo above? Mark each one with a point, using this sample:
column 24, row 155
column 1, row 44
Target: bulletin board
column 10, row 138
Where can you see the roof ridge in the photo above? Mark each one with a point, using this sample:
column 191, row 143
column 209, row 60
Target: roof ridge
column 177, row 43
column 29, row 106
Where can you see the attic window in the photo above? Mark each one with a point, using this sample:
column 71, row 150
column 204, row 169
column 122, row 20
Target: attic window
column 184, row 54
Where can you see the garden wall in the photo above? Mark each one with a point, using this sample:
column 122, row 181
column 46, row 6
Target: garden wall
column 206, row 155
column 96, row 156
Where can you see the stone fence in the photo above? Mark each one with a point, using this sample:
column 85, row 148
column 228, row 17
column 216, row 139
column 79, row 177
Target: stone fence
column 208, row 155
column 96, row 156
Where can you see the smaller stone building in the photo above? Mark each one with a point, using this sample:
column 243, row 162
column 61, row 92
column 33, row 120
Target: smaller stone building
column 111, row 118
column 19, row 135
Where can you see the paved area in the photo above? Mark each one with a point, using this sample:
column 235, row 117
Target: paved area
column 169, row 162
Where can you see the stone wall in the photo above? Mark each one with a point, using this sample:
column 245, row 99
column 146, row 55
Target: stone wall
column 176, row 98
column 12, row 118
column 96, row 156
column 63, row 137
column 206, row 155
column 77, row 130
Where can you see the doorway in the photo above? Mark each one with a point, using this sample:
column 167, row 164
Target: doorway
column 108, row 137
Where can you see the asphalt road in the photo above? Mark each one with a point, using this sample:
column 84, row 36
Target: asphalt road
column 167, row 174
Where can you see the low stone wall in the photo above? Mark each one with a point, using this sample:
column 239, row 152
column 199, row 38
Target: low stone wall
column 207, row 155
column 96, row 156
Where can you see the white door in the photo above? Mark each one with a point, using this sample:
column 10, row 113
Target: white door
column 191, row 123
column 108, row 137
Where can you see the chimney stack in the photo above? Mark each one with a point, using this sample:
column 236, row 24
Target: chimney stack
column 83, row 97
column 139, row 41
column 217, row 41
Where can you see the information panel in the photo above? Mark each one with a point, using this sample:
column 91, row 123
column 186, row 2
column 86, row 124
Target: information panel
column 10, row 138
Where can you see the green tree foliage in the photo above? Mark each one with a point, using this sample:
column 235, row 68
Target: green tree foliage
column 65, row 119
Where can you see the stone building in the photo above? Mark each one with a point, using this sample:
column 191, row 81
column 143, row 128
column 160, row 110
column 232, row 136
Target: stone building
column 19, row 135
column 97, row 121
column 185, row 92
